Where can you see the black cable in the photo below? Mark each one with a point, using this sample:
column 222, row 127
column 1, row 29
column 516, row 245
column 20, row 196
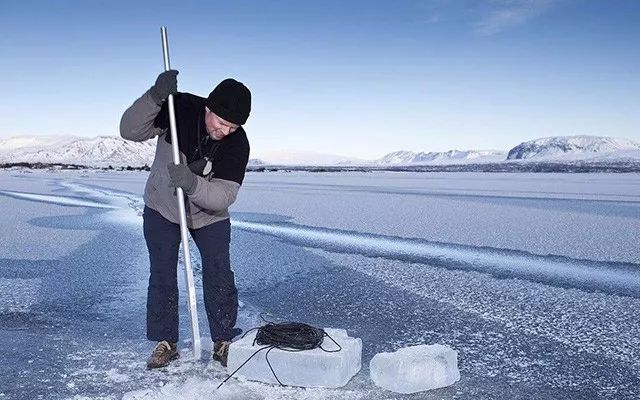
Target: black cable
column 290, row 335
column 286, row 336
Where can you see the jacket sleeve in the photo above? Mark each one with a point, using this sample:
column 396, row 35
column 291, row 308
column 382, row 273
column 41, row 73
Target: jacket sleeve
column 137, row 122
column 217, row 194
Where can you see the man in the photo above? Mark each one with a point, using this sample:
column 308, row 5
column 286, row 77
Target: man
column 214, row 152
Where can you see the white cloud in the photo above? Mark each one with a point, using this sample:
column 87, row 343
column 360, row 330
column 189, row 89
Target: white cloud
column 487, row 17
column 504, row 14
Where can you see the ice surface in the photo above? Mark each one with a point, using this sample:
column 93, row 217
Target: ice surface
column 538, row 213
column 73, row 280
column 18, row 294
column 311, row 368
column 416, row 368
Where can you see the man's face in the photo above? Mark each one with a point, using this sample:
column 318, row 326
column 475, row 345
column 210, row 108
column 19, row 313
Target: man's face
column 217, row 127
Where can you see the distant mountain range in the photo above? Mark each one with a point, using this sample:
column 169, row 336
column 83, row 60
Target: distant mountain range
column 404, row 157
column 576, row 148
column 101, row 151
column 105, row 151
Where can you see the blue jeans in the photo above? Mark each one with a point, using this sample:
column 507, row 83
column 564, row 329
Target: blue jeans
column 220, row 293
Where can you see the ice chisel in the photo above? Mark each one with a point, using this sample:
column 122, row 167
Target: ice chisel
column 184, row 233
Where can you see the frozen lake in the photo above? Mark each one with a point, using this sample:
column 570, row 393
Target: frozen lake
column 533, row 278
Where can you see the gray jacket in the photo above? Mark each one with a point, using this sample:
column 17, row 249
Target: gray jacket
column 210, row 200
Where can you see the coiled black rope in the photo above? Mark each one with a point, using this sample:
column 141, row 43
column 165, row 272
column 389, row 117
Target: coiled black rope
column 290, row 336
column 287, row 336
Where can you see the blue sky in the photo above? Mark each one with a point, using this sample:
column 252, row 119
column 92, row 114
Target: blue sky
column 356, row 78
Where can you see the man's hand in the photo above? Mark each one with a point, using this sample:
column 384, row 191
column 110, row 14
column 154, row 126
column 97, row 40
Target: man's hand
column 166, row 84
column 181, row 176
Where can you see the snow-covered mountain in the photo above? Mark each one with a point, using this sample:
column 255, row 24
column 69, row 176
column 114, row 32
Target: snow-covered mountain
column 405, row 157
column 569, row 148
column 104, row 151
column 100, row 151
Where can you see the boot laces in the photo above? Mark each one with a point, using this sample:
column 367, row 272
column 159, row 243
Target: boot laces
column 223, row 348
column 161, row 347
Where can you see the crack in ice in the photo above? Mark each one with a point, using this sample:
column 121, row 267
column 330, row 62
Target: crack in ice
column 54, row 199
column 613, row 277
column 610, row 277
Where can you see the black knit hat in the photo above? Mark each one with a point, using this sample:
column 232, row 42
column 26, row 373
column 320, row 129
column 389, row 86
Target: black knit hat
column 231, row 101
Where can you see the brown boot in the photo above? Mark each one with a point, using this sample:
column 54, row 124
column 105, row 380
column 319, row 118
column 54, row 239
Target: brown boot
column 164, row 353
column 221, row 352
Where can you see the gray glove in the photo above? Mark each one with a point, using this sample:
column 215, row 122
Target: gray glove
column 166, row 84
column 181, row 176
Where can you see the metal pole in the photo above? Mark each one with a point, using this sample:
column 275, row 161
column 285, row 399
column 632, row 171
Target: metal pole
column 184, row 234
